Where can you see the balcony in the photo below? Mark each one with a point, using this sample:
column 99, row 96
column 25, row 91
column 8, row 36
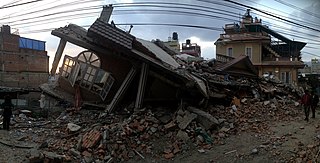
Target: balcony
column 245, row 36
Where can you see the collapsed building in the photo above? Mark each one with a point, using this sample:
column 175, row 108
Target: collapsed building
column 117, row 65
column 120, row 67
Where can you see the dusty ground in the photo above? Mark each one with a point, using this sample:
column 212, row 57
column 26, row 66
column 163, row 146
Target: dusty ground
column 281, row 143
column 277, row 145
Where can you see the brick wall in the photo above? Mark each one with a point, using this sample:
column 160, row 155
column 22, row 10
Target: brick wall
column 24, row 68
column 23, row 80
column 10, row 42
column 22, row 62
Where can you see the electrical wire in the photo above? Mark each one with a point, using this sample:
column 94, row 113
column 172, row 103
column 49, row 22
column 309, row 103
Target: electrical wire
column 298, row 8
column 254, row 8
column 11, row 3
column 139, row 24
column 63, row 15
column 309, row 22
column 68, row 4
column 20, row 4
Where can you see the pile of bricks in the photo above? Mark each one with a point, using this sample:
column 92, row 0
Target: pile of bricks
column 91, row 139
column 164, row 133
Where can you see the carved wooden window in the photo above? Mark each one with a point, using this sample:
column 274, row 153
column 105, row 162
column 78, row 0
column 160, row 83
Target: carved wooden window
column 86, row 70
column 66, row 69
column 90, row 58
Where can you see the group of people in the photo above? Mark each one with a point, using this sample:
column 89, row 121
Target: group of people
column 309, row 101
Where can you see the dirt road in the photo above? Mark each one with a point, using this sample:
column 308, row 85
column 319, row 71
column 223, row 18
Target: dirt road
column 287, row 141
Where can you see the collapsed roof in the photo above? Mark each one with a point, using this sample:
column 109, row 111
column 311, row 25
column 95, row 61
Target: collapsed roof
column 145, row 57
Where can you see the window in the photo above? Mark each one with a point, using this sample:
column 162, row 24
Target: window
column 108, row 82
column 88, row 76
column 74, row 74
column 249, row 52
column 84, row 70
column 286, row 77
column 68, row 63
column 229, row 52
column 90, row 58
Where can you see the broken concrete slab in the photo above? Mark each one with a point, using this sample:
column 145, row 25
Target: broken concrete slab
column 204, row 118
column 53, row 157
column 75, row 153
column 165, row 118
column 73, row 127
column 170, row 125
column 182, row 135
column 186, row 119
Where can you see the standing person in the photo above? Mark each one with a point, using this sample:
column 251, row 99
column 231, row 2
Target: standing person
column 7, row 107
column 306, row 102
column 314, row 103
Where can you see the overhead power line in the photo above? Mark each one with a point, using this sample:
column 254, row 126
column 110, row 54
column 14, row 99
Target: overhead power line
column 310, row 54
column 289, row 21
column 46, row 9
column 10, row 3
column 297, row 19
column 20, row 4
column 226, row 12
column 137, row 24
column 298, row 8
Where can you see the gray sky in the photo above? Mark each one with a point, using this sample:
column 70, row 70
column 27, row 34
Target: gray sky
column 36, row 20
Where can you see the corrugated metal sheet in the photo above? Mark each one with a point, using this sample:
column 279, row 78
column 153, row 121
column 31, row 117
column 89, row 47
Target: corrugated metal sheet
column 31, row 44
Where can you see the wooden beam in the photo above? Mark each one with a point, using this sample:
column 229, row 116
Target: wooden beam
column 57, row 57
column 124, row 86
column 142, row 85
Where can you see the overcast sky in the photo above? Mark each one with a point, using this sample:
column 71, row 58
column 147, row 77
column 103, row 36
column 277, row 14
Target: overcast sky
column 37, row 19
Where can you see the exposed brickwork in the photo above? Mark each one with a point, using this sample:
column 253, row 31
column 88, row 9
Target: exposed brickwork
column 10, row 42
column 19, row 67
column 23, row 80
column 90, row 139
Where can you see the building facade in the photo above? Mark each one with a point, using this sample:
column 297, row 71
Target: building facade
column 173, row 42
column 24, row 61
column 270, row 52
column 191, row 48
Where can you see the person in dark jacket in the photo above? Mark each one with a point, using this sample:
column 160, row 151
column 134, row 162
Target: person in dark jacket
column 306, row 102
column 314, row 103
column 7, row 107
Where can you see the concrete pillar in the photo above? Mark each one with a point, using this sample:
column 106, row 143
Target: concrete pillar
column 142, row 85
column 121, row 91
column 57, row 57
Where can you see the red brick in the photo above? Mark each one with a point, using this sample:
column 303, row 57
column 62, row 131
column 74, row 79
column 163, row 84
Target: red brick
column 86, row 153
column 168, row 156
column 90, row 139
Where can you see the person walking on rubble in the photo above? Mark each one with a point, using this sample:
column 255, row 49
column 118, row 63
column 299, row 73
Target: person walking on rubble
column 306, row 102
column 7, row 107
column 314, row 103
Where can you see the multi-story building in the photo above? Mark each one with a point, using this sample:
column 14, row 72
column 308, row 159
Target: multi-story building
column 270, row 52
column 173, row 42
column 191, row 48
column 24, row 62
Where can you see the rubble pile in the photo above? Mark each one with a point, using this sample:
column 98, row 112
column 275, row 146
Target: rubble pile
column 235, row 104
column 93, row 135
column 136, row 137
column 162, row 133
